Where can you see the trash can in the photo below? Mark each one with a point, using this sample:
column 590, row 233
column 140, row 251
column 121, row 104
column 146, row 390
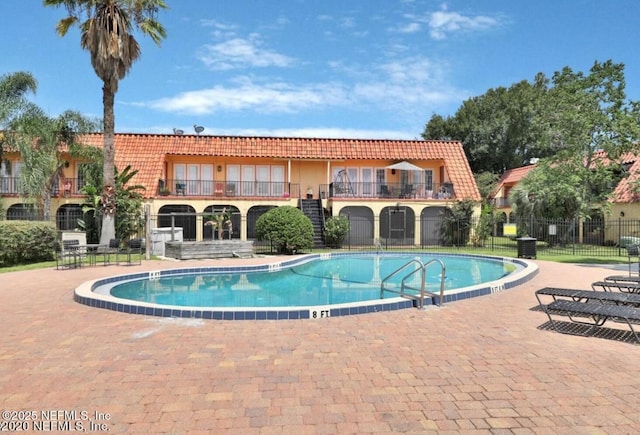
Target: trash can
column 526, row 247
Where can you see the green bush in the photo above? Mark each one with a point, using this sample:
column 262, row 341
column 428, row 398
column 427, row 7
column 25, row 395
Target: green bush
column 287, row 228
column 23, row 242
column 335, row 230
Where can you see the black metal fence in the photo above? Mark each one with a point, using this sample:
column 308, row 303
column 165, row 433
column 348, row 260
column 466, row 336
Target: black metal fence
column 589, row 238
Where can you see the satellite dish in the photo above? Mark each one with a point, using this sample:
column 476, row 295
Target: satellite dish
column 198, row 128
column 178, row 132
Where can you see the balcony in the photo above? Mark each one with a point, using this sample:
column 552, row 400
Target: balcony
column 228, row 189
column 501, row 202
column 65, row 186
column 421, row 191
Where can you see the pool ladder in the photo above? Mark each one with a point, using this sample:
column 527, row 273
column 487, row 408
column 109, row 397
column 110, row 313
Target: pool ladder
column 404, row 286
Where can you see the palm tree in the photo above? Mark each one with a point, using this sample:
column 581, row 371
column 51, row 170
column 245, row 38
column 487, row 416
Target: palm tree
column 106, row 34
column 39, row 138
column 13, row 90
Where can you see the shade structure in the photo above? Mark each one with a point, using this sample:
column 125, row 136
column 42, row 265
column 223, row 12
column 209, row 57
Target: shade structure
column 404, row 166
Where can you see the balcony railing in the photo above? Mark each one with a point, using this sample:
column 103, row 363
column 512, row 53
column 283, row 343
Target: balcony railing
column 64, row 187
column 388, row 190
column 238, row 189
column 501, row 202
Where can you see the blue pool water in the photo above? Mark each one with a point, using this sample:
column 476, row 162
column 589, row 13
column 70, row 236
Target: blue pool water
column 320, row 281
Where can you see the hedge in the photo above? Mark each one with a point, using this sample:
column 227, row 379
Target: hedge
column 23, row 242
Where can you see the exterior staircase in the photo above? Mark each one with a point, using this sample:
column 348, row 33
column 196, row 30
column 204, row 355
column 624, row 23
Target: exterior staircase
column 312, row 208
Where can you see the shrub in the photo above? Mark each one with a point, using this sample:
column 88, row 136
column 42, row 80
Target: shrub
column 26, row 242
column 335, row 230
column 455, row 227
column 287, row 228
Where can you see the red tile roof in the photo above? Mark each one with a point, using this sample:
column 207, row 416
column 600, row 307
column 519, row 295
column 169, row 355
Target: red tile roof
column 511, row 177
column 624, row 191
column 147, row 153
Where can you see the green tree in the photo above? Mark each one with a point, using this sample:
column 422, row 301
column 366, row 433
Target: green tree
column 14, row 89
column 287, row 228
column 486, row 182
column 335, row 230
column 582, row 116
column 129, row 213
column 455, row 227
column 497, row 129
column 40, row 140
column 106, row 33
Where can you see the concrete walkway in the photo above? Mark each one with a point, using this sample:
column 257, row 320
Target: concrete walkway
column 485, row 365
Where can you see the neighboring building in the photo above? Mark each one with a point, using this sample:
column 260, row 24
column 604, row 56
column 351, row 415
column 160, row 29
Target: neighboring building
column 506, row 183
column 391, row 187
column 603, row 227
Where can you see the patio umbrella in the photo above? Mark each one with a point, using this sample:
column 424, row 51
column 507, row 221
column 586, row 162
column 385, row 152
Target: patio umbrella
column 404, row 166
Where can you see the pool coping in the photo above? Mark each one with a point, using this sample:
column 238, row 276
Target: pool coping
column 85, row 294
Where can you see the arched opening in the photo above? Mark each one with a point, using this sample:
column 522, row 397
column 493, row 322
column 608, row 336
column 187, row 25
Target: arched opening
column 253, row 215
column 22, row 212
column 209, row 232
column 67, row 217
column 360, row 225
column 180, row 219
column 430, row 221
column 397, row 225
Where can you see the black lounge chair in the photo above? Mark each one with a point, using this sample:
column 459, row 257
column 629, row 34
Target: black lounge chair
column 618, row 298
column 623, row 278
column 610, row 286
column 598, row 313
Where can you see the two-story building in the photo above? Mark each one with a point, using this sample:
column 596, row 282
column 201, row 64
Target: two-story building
column 391, row 189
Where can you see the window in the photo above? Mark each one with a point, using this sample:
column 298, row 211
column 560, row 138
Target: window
column 193, row 178
column 256, row 180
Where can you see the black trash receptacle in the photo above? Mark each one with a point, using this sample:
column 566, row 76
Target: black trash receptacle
column 526, row 247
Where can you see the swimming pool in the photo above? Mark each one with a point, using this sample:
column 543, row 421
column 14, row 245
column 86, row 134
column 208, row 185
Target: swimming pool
column 317, row 285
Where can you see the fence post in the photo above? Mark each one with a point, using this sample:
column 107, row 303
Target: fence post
column 173, row 226
column 574, row 234
column 147, row 231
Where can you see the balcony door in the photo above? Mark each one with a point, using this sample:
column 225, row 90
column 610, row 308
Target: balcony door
column 367, row 181
column 263, row 178
column 248, row 180
column 277, row 180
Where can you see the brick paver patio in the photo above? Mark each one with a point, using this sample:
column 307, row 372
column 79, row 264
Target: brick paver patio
column 485, row 365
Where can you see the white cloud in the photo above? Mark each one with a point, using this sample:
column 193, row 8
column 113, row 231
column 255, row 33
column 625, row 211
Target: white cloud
column 269, row 98
column 444, row 22
column 316, row 132
column 411, row 27
column 241, row 53
column 398, row 87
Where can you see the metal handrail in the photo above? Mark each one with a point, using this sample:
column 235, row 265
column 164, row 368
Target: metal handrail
column 403, row 285
column 442, row 277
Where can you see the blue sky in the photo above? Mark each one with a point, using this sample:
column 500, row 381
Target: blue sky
column 321, row 68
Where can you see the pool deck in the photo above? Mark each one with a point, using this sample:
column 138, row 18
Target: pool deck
column 481, row 365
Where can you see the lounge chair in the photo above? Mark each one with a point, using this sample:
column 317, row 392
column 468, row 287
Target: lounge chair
column 610, row 286
column 597, row 311
column 623, row 278
column 619, row 298
column 579, row 305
